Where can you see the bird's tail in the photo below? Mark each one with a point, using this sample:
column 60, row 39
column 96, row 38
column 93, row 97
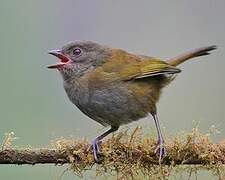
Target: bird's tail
column 191, row 54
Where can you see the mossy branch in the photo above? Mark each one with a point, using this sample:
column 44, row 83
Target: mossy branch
column 56, row 156
column 123, row 152
column 195, row 149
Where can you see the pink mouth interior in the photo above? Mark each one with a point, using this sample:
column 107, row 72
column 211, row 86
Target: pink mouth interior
column 63, row 60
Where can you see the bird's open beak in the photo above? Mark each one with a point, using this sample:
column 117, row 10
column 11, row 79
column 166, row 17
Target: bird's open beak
column 63, row 59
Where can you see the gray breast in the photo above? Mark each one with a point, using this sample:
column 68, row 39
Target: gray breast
column 112, row 105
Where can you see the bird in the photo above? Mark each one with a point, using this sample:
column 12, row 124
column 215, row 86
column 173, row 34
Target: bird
column 115, row 87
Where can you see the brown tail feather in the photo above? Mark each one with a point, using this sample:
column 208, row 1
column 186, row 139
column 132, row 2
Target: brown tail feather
column 191, row 54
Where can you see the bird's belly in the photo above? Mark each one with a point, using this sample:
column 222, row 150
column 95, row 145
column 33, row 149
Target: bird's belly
column 112, row 105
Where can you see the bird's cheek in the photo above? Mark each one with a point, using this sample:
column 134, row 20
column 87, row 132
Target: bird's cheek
column 70, row 66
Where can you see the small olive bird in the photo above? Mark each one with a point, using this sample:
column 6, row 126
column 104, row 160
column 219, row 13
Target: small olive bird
column 114, row 87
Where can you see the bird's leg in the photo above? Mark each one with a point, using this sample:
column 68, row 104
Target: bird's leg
column 160, row 144
column 95, row 142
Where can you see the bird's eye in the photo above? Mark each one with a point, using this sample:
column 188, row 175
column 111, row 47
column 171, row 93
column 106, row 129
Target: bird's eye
column 76, row 51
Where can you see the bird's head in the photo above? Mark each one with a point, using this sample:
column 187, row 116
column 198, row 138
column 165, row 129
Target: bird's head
column 79, row 57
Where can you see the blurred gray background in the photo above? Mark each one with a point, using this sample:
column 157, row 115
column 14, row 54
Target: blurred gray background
column 33, row 103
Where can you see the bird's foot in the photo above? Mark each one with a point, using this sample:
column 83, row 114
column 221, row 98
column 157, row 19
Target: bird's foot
column 160, row 149
column 95, row 147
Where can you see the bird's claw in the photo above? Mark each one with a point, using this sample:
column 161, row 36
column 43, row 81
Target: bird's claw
column 95, row 147
column 160, row 149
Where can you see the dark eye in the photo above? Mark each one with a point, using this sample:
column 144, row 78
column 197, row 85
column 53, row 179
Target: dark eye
column 76, row 51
